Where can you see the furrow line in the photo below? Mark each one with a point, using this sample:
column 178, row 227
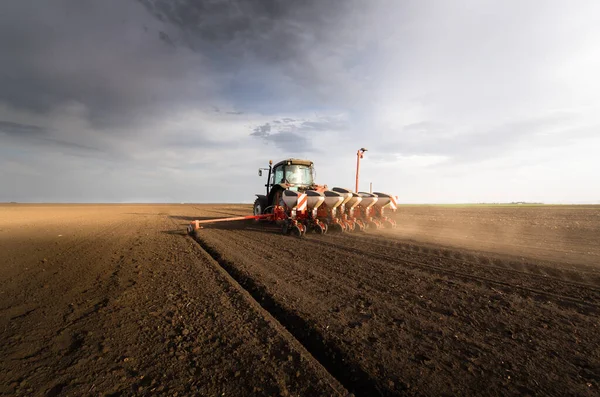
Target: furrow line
column 560, row 298
column 400, row 247
column 345, row 370
column 439, row 269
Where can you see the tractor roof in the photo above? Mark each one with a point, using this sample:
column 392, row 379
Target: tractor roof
column 294, row 161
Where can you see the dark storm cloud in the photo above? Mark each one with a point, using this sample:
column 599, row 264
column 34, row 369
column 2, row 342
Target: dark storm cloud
column 273, row 30
column 269, row 46
column 32, row 134
column 127, row 61
column 110, row 56
column 10, row 128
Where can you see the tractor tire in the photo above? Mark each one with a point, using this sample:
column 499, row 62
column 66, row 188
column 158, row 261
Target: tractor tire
column 257, row 209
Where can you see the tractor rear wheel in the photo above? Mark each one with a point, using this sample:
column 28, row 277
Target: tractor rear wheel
column 257, row 209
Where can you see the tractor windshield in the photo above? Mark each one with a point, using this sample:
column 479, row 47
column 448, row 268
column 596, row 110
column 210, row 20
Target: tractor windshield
column 299, row 174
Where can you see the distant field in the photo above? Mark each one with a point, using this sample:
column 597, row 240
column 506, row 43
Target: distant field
column 557, row 233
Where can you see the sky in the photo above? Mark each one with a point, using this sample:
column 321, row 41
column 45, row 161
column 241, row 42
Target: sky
column 182, row 101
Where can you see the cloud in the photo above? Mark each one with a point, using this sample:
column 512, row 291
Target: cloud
column 32, row 134
column 157, row 92
column 270, row 46
column 284, row 136
column 297, row 135
column 8, row 127
column 263, row 131
column 111, row 57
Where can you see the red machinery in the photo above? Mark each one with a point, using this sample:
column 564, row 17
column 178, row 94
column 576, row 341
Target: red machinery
column 298, row 205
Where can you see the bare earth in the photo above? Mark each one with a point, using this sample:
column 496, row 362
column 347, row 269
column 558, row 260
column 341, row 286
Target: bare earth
column 118, row 300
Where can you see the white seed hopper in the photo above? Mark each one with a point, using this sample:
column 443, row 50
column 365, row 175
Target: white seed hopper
column 333, row 199
column 385, row 200
column 352, row 199
column 347, row 194
column 368, row 199
column 315, row 199
column 290, row 198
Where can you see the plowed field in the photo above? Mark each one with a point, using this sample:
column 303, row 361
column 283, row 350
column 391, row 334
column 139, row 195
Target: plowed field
column 118, row 300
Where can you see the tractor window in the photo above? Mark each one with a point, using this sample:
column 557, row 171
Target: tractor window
column 278, row 173
column 298, row 174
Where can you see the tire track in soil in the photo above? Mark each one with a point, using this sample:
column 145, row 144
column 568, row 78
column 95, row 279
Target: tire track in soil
column 254, row 310
column 289, row 255
column 340, row 363
column 381, row 241
column 578, row 294
column 341, row 367
column 543, row 272
column 384, row 240
column 574, row 297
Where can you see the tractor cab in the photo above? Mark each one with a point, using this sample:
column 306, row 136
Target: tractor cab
column 292, row 174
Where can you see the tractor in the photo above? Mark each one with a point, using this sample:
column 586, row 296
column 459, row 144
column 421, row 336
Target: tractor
column 291, row 174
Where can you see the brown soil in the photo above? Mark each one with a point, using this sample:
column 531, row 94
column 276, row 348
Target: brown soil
column 116, row 300
column 456, row 301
